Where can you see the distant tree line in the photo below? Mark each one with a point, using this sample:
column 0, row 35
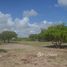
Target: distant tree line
column 57, row 34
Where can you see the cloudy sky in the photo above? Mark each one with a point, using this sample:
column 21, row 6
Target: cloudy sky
column 27, row 17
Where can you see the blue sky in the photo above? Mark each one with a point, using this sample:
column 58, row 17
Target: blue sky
column 32, row 15
column 46, row 9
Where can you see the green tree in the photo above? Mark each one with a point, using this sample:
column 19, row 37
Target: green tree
column 57, row 34
column 8, row 35
column 33, row 37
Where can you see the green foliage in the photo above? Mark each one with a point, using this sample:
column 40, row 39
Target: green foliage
column 33, row 37
column 8, row 35
column 56, row 33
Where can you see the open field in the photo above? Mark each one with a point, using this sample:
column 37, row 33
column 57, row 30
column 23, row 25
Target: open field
column 34, row 43
column 21, row 55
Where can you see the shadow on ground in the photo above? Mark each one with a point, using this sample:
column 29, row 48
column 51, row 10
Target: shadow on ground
column 53, row 46
column 3, row 50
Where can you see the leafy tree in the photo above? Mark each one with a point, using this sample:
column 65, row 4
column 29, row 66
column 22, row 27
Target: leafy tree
column 57, row 34
column 8, row 35
column 33, row 37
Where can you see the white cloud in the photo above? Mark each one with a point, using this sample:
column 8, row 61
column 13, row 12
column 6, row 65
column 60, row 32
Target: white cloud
column 29, row 13
column 22, row 23
column 5, row 22
column 62, row 2
column 45, row 24
column 22, row 27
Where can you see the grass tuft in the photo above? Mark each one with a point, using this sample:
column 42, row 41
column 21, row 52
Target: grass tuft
column 3, row 50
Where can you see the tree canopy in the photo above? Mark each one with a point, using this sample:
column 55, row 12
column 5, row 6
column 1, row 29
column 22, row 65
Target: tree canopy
column 56, row 33
column 7, row 36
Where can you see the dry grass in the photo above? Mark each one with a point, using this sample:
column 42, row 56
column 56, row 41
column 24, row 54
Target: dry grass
column 34, row 43
column 19, row 55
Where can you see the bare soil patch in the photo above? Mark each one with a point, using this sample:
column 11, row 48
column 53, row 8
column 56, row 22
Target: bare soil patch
column 29, row 56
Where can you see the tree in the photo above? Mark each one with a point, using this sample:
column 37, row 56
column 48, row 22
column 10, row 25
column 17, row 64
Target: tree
column 33, row 37
column 8, row 35
column 57, row 34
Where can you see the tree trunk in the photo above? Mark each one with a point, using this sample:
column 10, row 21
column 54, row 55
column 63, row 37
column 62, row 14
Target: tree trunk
column 8, row 41
column 57, row 43
column 4, row 41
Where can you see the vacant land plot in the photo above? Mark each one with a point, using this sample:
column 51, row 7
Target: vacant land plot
column 34, row 43
column 20, row 55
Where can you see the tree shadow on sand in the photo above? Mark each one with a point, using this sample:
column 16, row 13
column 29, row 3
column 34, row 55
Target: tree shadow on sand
column 54, row 46
column 3, row 50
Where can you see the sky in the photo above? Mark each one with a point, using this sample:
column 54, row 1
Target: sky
column 27, row 17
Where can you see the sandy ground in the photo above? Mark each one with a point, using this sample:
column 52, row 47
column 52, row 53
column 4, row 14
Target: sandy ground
column 29, row 56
